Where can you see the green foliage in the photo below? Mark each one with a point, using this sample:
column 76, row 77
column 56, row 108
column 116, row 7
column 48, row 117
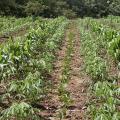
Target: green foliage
column 95, row 65
column 110, row 37
column 106, row 101
column 115, row 7
column 114, row 47
column 54, row 8
column 20, row 111
column 11, row 24
column 64, row 95
column 25, row 65
column 31, row 88
column 34, row 8
column 96, row 38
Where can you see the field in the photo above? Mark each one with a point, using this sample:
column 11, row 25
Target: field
column 59, row 69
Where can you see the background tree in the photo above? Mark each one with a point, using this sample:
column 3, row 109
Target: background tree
column 97, row 8
column 6, row 6
column 34, row 7
column 114, row 7
column 54, row 8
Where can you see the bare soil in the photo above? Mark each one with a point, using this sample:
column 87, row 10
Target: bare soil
column 52, row 103
column 79, row 82
column 77, row 86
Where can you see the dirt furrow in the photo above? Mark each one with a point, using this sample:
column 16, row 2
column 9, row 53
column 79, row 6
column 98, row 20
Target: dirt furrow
column 52, row 104
column 77, row 86
column 79, row 82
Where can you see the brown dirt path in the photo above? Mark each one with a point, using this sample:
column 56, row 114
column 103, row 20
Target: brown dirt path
column 52, row 103
column 78, row 82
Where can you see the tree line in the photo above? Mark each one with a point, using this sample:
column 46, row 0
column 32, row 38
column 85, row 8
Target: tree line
column 54, row 8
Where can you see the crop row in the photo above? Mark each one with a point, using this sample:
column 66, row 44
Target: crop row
column 64, row 94
column 111, row 38
column 24, row 69
column 11, row 24
column 104, row 97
